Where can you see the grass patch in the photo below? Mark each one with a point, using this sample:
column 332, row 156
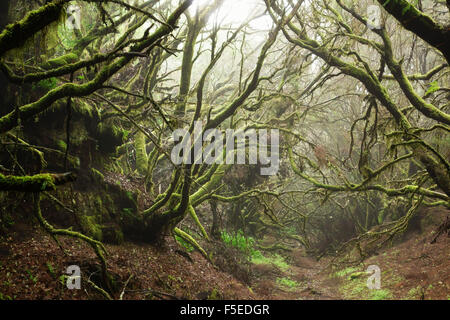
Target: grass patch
column 286, row 282
column 354, row 286
column 247, row 246
column 414, row 293
column 239, row 241
column 275, row 260
column 382, row 294
column 346, row 271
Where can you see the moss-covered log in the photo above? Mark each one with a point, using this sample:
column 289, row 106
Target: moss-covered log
column 36, row 183
column 189, row 239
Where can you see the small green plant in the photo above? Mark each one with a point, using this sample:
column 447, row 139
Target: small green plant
column 4, row 297
column 184, row 244
column 62, row 145
column 47, row 84
column 414, row 293
column 239, row 240
column 172, row 278
column 51, row 270
column 31, row 277
column 280, row 262
column 127, row 211
column 287, row 282
column 275, row 260
column 129, row 195
column 214, row 295
column 126, row 134
column 247, row 246
column 380, row 294
column 63, row 279
column 346, row 271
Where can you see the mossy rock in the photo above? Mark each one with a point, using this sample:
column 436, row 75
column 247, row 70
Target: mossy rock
column 90, row 227
column 110, row 137
column 132, row 224
column 122, row 198
column 79, row 133
column 112, row 234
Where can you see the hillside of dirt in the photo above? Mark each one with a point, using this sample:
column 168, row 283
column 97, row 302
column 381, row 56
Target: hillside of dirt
column 413, row 269
column 33, row 266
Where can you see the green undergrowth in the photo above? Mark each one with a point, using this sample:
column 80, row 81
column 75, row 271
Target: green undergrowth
column 274, row 259
column 354, row 284
column 288, row 283
column 46, row 84
column 5, row 297
column 247, row 246
column 346, row 271
column 91, row 227
column 184, row 244
column 239, row 241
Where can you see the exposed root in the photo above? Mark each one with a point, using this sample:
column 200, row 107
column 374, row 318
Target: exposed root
column 197, row 222
column 100, row 290
column 98, row 247
column 186, row 237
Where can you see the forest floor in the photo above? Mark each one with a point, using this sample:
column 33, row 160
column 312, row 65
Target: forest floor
column 413, row 269
column 32, row 266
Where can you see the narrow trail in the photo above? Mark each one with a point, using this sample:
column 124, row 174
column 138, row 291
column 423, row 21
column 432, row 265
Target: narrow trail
column 411, row 269
column 304, row 279
column 32, row 266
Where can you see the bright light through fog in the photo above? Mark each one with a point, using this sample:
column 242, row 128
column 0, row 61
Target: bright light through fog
column 235, row 12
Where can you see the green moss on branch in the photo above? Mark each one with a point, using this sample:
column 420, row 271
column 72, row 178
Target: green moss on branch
column 186, row 237
column 36, row 183
column 9, row 121
column 16, row 34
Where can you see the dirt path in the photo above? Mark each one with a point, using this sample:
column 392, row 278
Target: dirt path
column 32, row 266
column 302, row 279
column 412, row 269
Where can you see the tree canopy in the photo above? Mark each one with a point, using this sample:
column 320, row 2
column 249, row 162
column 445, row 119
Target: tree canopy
column 98, row 87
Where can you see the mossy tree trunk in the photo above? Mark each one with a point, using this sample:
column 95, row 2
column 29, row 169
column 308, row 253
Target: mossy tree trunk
column 141, row 153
